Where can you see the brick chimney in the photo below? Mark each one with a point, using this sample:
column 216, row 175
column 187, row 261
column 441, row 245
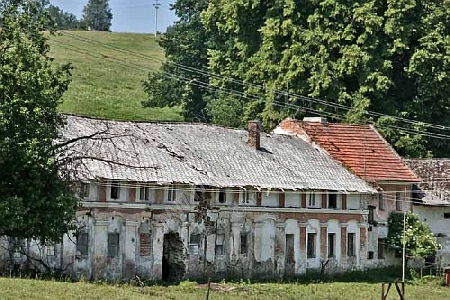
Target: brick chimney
column 254, row 131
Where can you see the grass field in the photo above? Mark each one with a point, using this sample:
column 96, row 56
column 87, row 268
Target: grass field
column 108, row 72
column 35, row 289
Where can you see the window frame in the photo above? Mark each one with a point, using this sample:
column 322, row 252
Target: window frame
column 244, row 244
column 114, row 189
column 398, row 201
column 334, row 195
column 331, row 244
column 194, row 244
column 351, row 244
column 381, row 201
column 219, row 248
column 311, row 245
column 82, row 244
column 171, row 194
column 381, row 246
column 113, row 248
column 85, row 190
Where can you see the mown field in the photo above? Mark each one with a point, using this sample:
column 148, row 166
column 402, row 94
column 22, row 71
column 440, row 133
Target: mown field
column 35, row 289
column 108, row 72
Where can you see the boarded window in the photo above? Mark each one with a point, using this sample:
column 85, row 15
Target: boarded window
column 115, row 190
column 220, row 240
column 398, row 201
column 332, row 200
column 351, row 245
column 311, row 246
column 381, row 201
column 290, row 252
column 145, row 243
column 113, row 244
column 194, row 243
column 331, row 244
column 83, row 243
column 381, row 248
column 244, row 243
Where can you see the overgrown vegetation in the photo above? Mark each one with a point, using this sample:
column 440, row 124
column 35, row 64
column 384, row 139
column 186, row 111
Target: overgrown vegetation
column 417, row 237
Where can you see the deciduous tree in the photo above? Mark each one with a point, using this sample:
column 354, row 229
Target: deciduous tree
column 97, row 15
column 35, row 201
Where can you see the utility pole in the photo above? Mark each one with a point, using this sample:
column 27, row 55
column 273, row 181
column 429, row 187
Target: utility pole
column 156, row 5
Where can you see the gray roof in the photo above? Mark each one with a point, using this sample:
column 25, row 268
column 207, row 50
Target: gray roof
column 200, row 154
column 434, row 189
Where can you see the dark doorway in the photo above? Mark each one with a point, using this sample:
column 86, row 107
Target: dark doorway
column 173, row 267
column 290, row 255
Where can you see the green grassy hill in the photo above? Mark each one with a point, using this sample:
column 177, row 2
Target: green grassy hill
column 108, row 72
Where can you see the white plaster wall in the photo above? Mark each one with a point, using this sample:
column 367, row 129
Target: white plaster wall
column 292, row 200
column 268, row 240
column 269, row 199
column 434, row 217
column 93, row 191
column 353, row 201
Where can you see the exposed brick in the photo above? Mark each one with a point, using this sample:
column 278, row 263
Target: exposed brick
column 281, row 199
column 303, row 200
column 344, row 201
column 258, row 199
column 236, row 198
column 132, row 192
column 344, row 242
column 302, row 239
column 102, row 193
column 323, row 241
column 324, row 200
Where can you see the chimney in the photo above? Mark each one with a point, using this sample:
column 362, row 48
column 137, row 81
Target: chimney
column 321, row 120
column 254, row 130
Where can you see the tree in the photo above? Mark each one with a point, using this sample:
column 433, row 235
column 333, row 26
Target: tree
column 418, row 238
column 180, row 81
column 64, row 20
column 390, row 57
column 97, row 15
column 35, row 201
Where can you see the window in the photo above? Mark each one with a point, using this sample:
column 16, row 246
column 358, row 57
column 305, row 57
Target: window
column 220, row 239
column 113, row 244
column 144, row 193
column 222, row 196
column 311, row 247
column 115, row 190
column 248, row 197
column 331, row 244
column 332, row 200
column 244, row 243
column 311, row 200
column 371, row 217
column 83, row 243
column 171, row 194
column 351, row 245
column 50, row 250
column 381, row 201
column 398, row 201
column 84, row 189
column 381, row 248
column 446, row 215
column 290, row 251
column 145, row 244
column 370, row 255
column 194, row 242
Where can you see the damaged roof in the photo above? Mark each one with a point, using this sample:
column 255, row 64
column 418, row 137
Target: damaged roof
column 200, row 154
column 435, row 174
column 358, row 147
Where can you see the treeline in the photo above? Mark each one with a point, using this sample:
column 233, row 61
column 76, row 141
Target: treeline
column 384, row 63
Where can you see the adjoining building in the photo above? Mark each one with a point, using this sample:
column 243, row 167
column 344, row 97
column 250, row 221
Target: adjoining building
column 362, row 150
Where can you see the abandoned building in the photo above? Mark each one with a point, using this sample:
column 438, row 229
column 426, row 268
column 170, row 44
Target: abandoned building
column 361, row 149
column 172, row 201
column 432, row 200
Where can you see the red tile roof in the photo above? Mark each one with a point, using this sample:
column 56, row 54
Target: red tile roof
column 358, row 147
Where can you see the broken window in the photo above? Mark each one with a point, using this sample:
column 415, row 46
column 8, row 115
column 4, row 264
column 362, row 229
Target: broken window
column 331, row 244
column 351, row 245
column 398, row 201
column 311, row 246
column 145, row 243
column 171, row 194
column 144, row 193
column 371, row 218
column 194, row 243
column 113, row 244
column 220, row 239
column 381, row 248
column 84, row 189
column 244, row 243
column 370, row 255
column 381, row 201
column 83, row 243
column 115, row 190
column 332, row 200
column 446, row 215
column 222, row 196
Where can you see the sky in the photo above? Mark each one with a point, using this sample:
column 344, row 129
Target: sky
column 128, row 15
